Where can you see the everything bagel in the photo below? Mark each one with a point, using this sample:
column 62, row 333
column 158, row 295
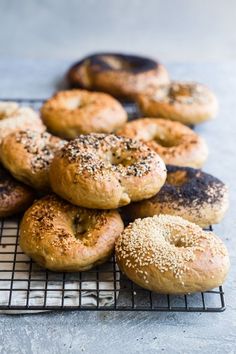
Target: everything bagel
column 106, row 171
column 173, row 141
column 27, row 154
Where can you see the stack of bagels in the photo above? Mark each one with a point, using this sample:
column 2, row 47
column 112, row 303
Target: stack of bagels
column 80, row 172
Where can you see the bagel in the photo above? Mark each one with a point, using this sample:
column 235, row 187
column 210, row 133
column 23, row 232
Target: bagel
column 170, row 255
column 106, row 171
column 71, row 113
column 13, row 117
column 63, row 237
column 7, row 108
column 120, row 75
column 173, row 141
column 27, row 154
column 186, row 102
column 15, row 197
column 190, row 193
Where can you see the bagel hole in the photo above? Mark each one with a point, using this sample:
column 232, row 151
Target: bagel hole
column 166, row 142
column 177, row 178
column 121, row 161
column 82, row 227
column 115, row 63
column 178, row 243
column 116, row 159
column 75, row 103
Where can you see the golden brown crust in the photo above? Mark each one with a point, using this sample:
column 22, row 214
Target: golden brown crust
column 106, row 171
column 190, row 193
column 186, row 102
column 71, row 113
column 13, row 117
column 15, row 197
column 62, row 237
column 173, row 141
column 117, row 74
column 27, row 154
column 170, row 255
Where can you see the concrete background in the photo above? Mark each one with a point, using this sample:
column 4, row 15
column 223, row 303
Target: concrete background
column 38, row 41
column 171, row 30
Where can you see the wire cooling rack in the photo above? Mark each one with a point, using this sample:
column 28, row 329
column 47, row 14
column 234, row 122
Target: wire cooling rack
column 25, row 286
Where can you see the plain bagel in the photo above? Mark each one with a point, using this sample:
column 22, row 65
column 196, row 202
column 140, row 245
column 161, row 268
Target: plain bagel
column 71, row 113
column 173, row 141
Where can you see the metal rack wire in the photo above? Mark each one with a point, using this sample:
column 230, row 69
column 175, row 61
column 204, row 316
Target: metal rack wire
column 26, row 286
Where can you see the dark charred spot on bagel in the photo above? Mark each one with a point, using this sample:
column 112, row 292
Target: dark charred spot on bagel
column 198, row 187
column 122, row 62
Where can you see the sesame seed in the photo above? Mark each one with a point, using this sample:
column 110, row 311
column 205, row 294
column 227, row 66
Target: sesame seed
column 167, row 242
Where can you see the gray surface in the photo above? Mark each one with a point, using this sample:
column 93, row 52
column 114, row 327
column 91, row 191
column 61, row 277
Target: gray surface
column 170, row 29
column 93, row 332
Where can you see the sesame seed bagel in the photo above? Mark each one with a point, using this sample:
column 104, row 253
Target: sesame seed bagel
column 186, row 102
column 190, row 193
column 120, row 75
column 71, row 113
column 13, row 117
column 15, row 197
column 63, row 237
column 170, row 255
column 27, row 154
column 106, row 171
column 173, row 141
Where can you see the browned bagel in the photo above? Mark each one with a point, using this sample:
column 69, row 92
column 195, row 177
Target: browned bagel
column 27, row 154
column 121, row 75
column 170, row 255
column 106, row 171
column 15, row 197
column 13, row 117
column 63, row 237
column 186, row 102
column 190, row 193
column 71, row 113
column 173, row 141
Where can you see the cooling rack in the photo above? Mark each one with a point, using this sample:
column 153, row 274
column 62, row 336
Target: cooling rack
column 26, row 286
